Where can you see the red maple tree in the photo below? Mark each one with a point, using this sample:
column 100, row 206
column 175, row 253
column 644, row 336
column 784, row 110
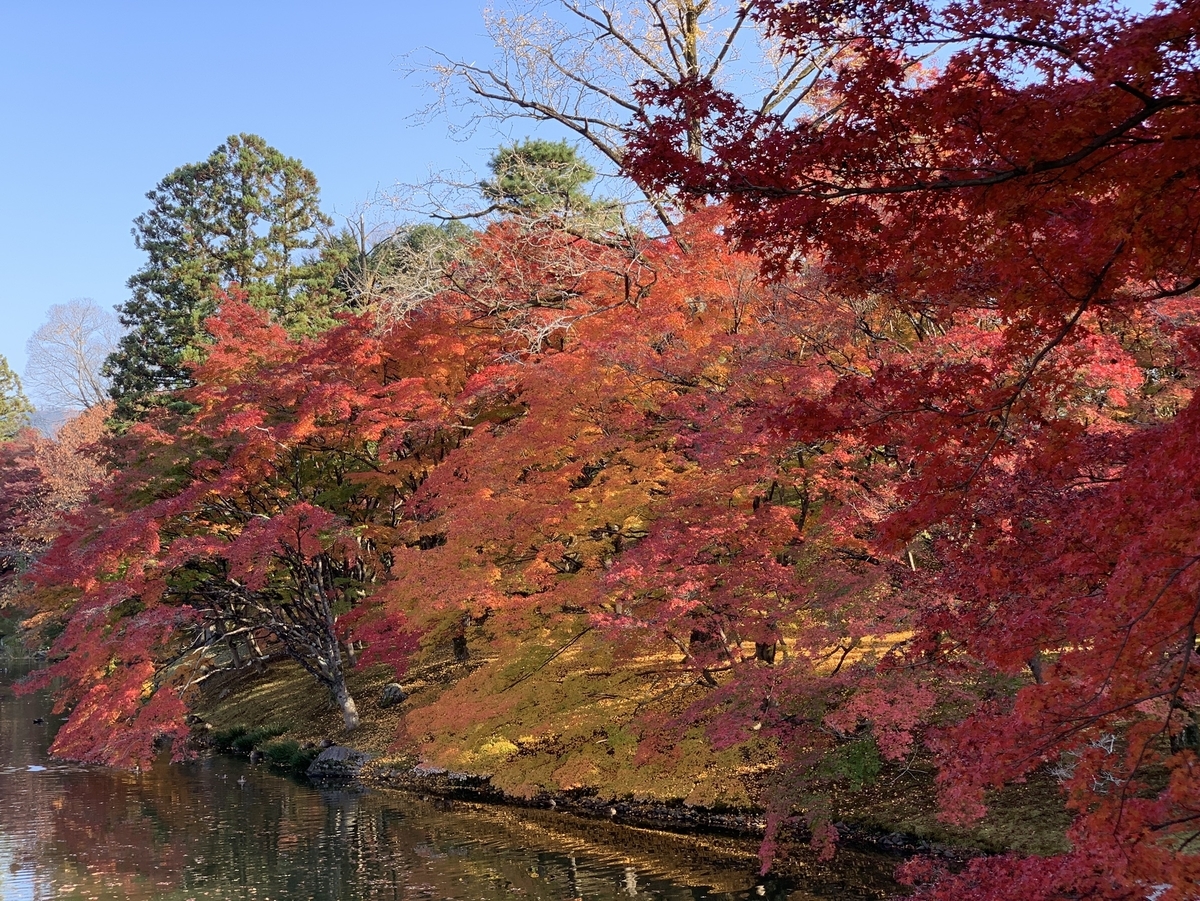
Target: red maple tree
column 44, row 478
column 1023, row 216
column 260, row 515
column 942, row 461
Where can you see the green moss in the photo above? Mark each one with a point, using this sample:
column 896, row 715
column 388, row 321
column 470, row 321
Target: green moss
column 1029, row 817
column 289, row 754
column 242, row 739
column 540, row 712
column 223, row 739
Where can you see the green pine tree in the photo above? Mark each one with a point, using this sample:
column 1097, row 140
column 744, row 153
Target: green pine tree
column 545, row 178
column 14, row 405
column 247, row 215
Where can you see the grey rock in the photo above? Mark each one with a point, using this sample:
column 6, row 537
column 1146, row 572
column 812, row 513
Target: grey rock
column 337, row 762
column 392, row 695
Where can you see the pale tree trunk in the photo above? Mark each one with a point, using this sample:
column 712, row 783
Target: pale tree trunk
column 337, row 672
column 690, row 22
column 234, row 656
column 260, row 660
column 345, row 702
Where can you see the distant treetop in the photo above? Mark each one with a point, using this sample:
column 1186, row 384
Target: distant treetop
column 247, row 215
column 14, row 405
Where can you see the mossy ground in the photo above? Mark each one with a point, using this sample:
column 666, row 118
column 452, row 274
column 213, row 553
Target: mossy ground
column 539, row 724
column 1029, row 818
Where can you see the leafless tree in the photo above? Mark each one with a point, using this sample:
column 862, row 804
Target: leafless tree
column 575, row 63
column 66, row 352
column 395, row 266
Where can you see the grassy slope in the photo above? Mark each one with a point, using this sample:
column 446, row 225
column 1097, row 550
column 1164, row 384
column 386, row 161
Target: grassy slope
column 537, row 723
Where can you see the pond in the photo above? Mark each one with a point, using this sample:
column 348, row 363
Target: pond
column 220, row 828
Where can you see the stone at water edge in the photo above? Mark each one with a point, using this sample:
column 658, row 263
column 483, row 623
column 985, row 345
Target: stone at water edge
column 337, row 762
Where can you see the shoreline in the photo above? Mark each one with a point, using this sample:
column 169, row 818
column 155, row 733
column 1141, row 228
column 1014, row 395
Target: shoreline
column 747, row 827
column 896, row 815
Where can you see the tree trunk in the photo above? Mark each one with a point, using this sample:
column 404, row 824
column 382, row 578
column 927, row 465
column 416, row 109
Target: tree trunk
column 690, row 20
column 260, row 660
column 234, row 656
column 345, row 702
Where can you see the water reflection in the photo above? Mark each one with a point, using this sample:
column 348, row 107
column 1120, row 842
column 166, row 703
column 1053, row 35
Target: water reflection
column 220, row 829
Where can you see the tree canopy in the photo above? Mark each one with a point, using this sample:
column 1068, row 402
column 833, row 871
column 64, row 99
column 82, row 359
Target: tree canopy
column 14, row 405
column 67, row 352
column 536, row 176
column 248, row 216
column 1023, row 219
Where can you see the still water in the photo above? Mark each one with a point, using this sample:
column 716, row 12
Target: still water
column 222, row 829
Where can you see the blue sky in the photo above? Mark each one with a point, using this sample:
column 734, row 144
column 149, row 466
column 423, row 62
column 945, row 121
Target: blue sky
column 100, row 100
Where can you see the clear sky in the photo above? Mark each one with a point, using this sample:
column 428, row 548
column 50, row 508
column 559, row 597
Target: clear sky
column 100, row 100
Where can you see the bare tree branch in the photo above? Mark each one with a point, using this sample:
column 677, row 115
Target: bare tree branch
column 577, row 63
column 66, row 353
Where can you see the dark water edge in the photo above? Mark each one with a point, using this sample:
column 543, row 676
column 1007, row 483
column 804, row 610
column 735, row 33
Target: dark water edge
column 220, row 828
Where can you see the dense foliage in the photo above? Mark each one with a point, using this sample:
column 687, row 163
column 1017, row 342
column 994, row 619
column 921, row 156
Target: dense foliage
column 904, row 472
column 1021, row 224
